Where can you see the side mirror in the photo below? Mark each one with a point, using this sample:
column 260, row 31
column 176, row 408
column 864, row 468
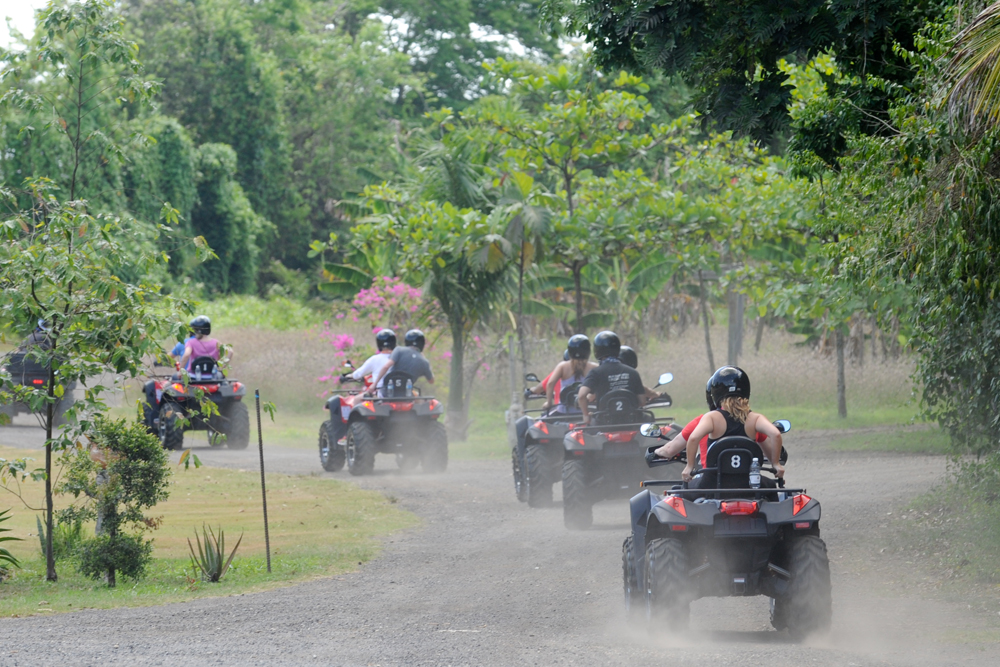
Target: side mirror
column 666, row 378
column 650, row 430
column 783, row 425
column 348, row 364
column 531, row 377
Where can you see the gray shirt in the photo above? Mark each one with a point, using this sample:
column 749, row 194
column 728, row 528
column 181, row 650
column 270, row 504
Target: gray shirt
column 409, row 360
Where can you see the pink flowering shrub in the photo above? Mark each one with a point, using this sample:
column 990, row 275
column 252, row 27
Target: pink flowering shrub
column 389, row 302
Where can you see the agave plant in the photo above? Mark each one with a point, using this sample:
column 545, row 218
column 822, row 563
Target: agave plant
column 211, row 555
column 6, row 557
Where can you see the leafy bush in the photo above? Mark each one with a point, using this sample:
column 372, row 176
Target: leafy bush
column 6, row 558
column 277, row 313
column 66, row 538
column 211, row 557
column 123, row 473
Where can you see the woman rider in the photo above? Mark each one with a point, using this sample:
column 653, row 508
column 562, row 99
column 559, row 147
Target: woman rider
column 730, row 390
column 569, row 372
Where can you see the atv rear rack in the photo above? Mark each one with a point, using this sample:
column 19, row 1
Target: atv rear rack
column 730, row 493
column 614, row 428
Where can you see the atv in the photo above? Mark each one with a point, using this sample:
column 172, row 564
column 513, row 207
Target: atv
column 603, row 460
column 517, row 452
column 402, row 422
column 542, row 455
column 180, row 408
column 731, row 540
column 333, row 454
column 26, row 371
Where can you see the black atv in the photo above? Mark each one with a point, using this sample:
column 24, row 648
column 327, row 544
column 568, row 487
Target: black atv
column 180, row 410
column 731, row 540
column 543, row 454
column 517, row 452
column 402, row 423
column 604, row 460
column 26, row 371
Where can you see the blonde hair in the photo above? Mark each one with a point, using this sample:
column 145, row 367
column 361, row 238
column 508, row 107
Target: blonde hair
column 578, row 366
column 738, row 407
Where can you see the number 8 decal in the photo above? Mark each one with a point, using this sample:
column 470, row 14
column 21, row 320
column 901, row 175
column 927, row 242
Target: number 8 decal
column 735, row 461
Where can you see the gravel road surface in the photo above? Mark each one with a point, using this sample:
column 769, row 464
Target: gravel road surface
column 487, row 581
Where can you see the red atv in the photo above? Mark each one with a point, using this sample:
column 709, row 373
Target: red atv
column 401, row 422
column 179, row 408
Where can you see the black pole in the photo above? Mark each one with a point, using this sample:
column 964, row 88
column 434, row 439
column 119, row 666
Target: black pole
column 263, row 488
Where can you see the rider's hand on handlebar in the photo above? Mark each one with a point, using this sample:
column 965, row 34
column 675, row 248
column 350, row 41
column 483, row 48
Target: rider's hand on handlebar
column 779, row 470
column 686, row 473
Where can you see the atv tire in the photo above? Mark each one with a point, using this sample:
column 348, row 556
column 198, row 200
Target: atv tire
column 578, row 509
column 435, row 454
column 331, row 456
column 360, row 448
column 809, row 601
column 668, row 597
column 520, row 481
column 171, row 432
column 630, row 580
column 536, row 478
column 237, row 425
column 779, row 613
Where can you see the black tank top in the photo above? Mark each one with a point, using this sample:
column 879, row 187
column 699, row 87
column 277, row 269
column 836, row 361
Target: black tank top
column 733, row 427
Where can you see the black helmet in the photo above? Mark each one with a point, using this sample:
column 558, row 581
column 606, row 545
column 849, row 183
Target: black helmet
column 201, row 325
column 385, row 339
column 578, row 347
column 415, row 338
column 566, row 354
column 607, row 344
column 712, row 405
column 727, row 382
column 628, row 356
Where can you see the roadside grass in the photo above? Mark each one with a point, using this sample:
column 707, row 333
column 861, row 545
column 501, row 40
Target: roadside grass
column 930, row 440
column 319, row 527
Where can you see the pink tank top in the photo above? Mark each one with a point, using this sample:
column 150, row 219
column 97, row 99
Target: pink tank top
column 206, row 347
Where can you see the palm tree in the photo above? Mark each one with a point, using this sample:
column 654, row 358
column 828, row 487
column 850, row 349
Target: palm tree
column 974, row 73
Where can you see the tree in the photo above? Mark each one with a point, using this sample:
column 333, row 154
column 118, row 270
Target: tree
column 59, row 263
column 730, row 53
column 974, row 72
column 124, row 472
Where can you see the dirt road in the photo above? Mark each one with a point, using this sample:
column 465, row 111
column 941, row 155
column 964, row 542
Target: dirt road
column 487, row 581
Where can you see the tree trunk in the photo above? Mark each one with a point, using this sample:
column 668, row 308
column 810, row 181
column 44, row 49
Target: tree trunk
column 50, row 557
column 758, row 335
column 578, row 290
column 704, row 313
column 456, row 385
column 841, row 379
column 111, row 570
column 520, row 313
column 737, row 306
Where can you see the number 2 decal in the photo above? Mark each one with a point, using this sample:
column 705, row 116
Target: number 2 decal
column 619, row 406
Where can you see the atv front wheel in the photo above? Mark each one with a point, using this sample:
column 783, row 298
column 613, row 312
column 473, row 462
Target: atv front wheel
column 170, row 430
column 668, row 600
column 331, row 456
column 809, row 601
column 237, row 428
column 630, row 579
column 435, row 455
column 539, row 491
column 578, row 510
column 360, row 448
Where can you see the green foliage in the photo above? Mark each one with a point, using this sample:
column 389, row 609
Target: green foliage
column 211, row 556
column 66, row 538
column 276, row 313
column 7, row 559
column 224, row 217
column 124, row 473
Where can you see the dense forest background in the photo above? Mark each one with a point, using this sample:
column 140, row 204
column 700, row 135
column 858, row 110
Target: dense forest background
column 543, row 167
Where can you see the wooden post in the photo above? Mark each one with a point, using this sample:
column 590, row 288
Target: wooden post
column 263, row 488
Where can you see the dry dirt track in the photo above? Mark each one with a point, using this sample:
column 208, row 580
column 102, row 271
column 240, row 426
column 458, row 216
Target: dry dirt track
column 487, row 581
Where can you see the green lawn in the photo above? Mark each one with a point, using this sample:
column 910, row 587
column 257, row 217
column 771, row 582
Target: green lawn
column 930, row 440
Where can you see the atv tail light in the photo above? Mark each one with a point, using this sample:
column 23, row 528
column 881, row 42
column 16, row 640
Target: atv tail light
column 621, row 436
column 578, row 436
column 677, row 504
column 178, row 387
column 211, row 388
column 368, row 405
column 798, row 502
column 738, row 507
column 434, row 403
column 401, row 407
column 38, row 381
column 678, row 528
column 543, row 427
column 802, row 525
column 237, row 386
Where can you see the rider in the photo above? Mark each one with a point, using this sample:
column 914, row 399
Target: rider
column 729, row 387
column 628, row 357
column 37, row 338
column 385, row 342
column 610, row 375
column 201, row 345
column 408, row 359
column 679, row 442
column 569, row 372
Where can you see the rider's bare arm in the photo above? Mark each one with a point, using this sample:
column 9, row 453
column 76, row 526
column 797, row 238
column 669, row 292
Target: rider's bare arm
column 705, row 427
column 583, row 401
column 672, row 448
column 381, row 373
column 773, row 442
column 550, row 388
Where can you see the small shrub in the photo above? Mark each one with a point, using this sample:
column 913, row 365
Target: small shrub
column 7, row 559
column 66, row 538
column 211, row 557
